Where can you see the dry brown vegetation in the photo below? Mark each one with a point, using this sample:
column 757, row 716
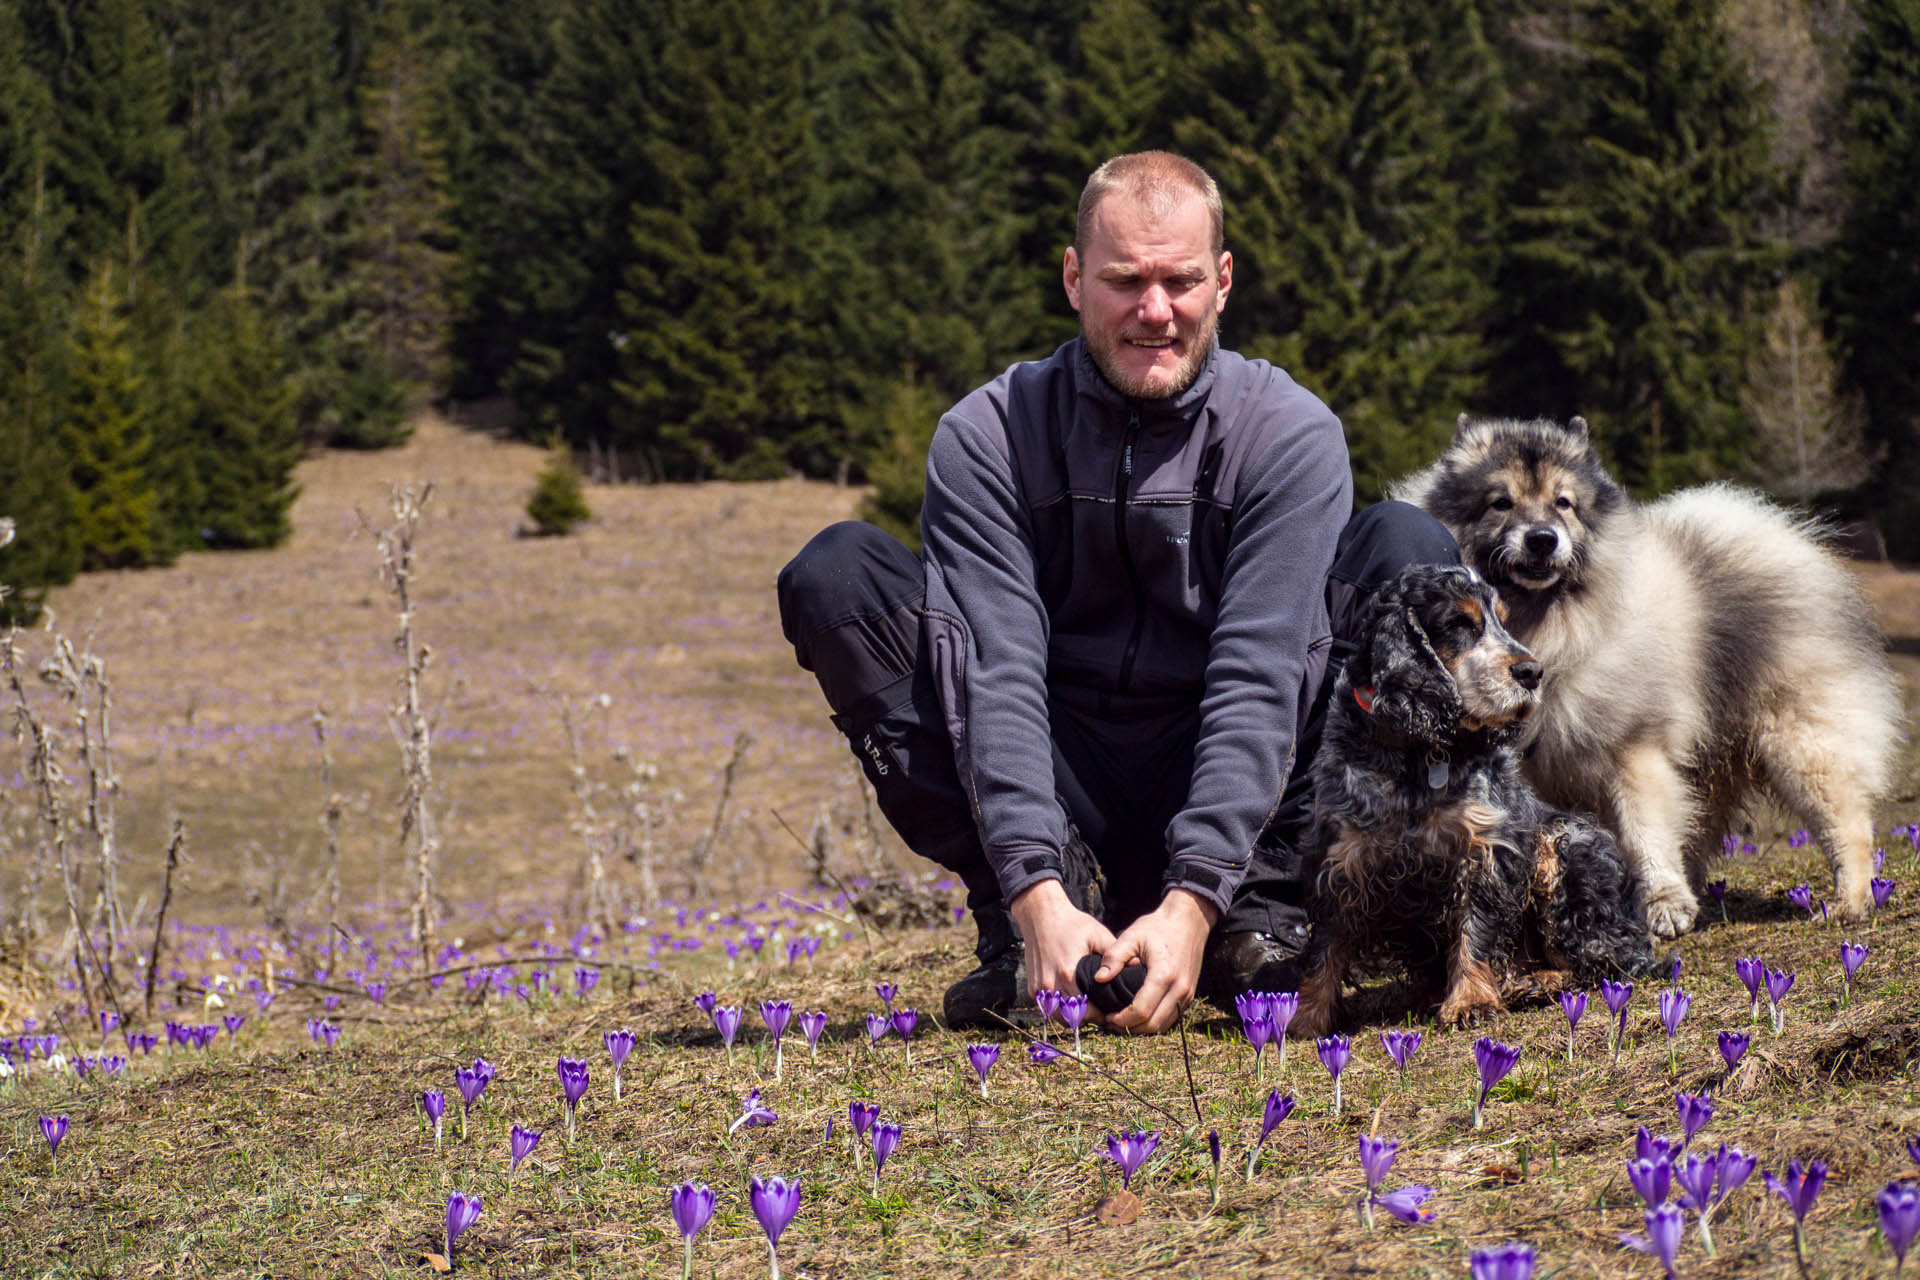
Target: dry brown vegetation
column 269, row 1155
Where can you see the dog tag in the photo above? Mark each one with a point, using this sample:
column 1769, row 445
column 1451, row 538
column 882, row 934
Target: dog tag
column 1437, row 772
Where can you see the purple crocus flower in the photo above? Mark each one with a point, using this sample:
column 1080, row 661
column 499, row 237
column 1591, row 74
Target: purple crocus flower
column 776, row 1014
column 878, row 1024
column 1717, row 890
column 234, row 1021
column 1882, row 891
column 1695, row 1110
column 1041, row 1053
column 1130, row 1151
column 811, row 1025
column 462, row 1212
column 1666, row 1224
column 1801, row 896
column 1616, row 994
column 585, row 980
column 1778, row 984
column 862, row 1115
column 1507, row 1262
column 1752, row 975
column 1213, row 1154
column 1733, row 1046
column 1277, row 1109
column 1334, row 1052
column 1852, row 956
column 53, row 1129
column 1705, row 1183
column 754, row 1114
column 520, row 1145
column 886, row 991
column 726, row 1020
column 1799, row 1188
column 1799, row 840
column 1494, row 1061
column 1073, row 1012
column 692, row 1204
column 619, row 1044
column 1650, row 1178
column 775, row 1201
column 1401, row 1046
column 1405, row 1203
column 983, row 1056
column 1913, row 1150
column 1648, row 1147
column 1281, row 1006
column 434, row 1103
column 1574, row 1005
column 1047, row 1001
column 330, row 1034
column 1376, row 1160
column 1673, row 1011
column 884, row 1137
column 1899, row 1204
column 573, row 1086
column 904, row 1021
column 705, row 1002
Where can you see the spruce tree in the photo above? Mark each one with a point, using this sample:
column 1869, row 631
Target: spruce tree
column 1808, row 432
column 244, row 428
column 557, row 505
column 728, row 366
column 34, row 489
column 1641, row 266
column 1351, row 142
column 107, row 431
column 1875, row 285
column 404, row 259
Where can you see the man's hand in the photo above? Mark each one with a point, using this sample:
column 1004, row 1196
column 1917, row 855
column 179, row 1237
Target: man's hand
column 1170, row 941
column 1057, row 934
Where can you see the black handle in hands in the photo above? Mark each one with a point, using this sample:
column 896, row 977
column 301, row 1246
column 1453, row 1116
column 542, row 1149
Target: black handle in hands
column 1114, row 995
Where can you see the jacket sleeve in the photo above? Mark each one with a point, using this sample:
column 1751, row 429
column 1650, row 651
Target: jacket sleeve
column 1269, row 649
column 982, row 593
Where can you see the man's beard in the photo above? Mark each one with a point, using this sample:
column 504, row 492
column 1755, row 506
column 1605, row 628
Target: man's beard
column 1184, row 373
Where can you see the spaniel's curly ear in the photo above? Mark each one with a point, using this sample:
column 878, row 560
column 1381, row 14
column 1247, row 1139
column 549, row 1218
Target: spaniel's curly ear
column 1412, row 691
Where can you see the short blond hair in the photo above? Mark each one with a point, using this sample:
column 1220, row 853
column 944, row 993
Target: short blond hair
column 1157, row 179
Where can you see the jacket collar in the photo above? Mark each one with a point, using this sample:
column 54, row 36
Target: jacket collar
column 1176, row 410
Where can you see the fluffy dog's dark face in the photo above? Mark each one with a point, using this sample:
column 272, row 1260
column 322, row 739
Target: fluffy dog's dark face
column 1436, row 659
column 1524, row 500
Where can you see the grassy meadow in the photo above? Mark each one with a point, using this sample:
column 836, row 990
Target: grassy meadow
column 294, row 1143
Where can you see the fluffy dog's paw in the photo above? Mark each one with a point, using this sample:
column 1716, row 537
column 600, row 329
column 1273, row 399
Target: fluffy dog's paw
column 1671, row 909
column 1460, row 1010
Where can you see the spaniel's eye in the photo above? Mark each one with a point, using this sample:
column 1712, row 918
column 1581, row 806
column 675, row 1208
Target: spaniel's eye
column 1502, row 503
column 1563, row 502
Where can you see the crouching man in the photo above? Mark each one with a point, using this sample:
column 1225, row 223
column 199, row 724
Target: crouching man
column 1095, row 698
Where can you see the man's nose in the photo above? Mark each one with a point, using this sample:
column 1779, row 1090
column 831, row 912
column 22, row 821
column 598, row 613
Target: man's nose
column 1156, row 307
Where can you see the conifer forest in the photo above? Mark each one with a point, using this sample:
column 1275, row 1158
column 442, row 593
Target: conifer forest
column 741, row 238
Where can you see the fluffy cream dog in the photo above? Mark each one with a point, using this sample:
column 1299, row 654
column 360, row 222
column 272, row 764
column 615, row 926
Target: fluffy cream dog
column 1696, row 649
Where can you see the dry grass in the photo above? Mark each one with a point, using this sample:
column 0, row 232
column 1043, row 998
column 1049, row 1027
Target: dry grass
column 268, row 1155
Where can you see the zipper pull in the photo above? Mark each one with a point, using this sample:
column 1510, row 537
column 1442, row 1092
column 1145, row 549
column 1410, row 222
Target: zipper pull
column 1126, row 457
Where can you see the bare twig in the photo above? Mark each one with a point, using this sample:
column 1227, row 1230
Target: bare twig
column 175, row 846
column 410, row 723
column 866, row 935
column 593, row 869
column 329, row 817
column 697, row 863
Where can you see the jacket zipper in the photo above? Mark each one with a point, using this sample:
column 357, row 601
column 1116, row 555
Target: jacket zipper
column 1121, row 484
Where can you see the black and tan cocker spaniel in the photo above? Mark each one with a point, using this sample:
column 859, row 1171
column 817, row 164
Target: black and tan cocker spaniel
column 1428, row 850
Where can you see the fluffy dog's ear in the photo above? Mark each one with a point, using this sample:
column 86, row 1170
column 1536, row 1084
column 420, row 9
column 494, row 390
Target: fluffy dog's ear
column 1412, row 690
column 1577, row 428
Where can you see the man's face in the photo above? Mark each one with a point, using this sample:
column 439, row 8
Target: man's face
column 1149, row 291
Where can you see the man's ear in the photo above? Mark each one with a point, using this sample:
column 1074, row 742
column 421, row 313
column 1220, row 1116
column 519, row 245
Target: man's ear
column 1226, row 281
column 1070, row 276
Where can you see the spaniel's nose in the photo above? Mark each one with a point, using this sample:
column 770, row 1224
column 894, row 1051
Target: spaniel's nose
column 1526, row 673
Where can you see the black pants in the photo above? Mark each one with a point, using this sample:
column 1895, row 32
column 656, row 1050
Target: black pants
column 850, row 604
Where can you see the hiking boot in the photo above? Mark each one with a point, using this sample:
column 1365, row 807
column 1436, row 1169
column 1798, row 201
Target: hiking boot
column 986, row 998
column 1236, row 963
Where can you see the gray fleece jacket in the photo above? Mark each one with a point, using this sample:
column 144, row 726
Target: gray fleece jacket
column 1125, row 559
